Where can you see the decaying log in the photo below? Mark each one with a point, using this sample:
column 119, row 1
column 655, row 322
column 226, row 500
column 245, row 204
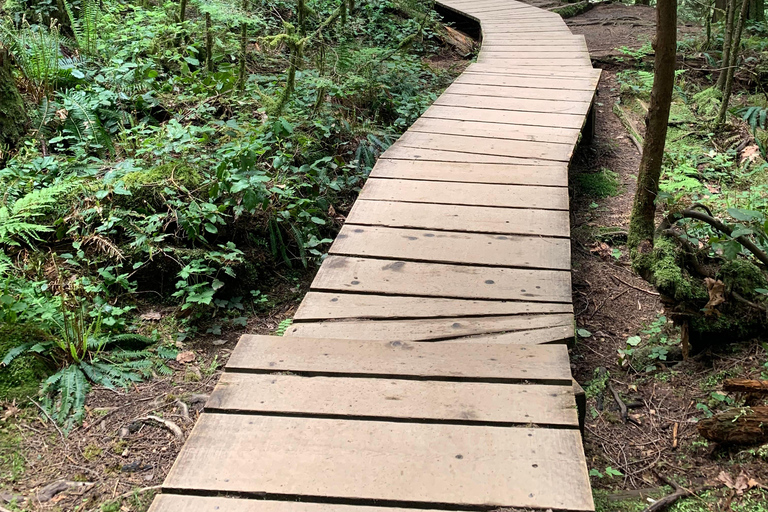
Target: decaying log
column 741, row 425
column 746, row 386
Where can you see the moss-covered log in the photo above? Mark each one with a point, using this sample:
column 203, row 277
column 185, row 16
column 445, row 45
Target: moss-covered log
column 13, row 117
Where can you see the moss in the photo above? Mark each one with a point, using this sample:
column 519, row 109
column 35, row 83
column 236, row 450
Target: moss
column 601, row 184
column 708, row 101
column 668, row 276
column 13, row 116
column 680, row 113
column 21, row 379
column 742, row 276
column 146, row 187
column 572, row 10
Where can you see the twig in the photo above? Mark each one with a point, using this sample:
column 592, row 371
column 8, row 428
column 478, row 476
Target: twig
column 680, row 492
column 619, row 401
column 674, row 435
column 63, row 438
column 633, row 286
column 166, row 423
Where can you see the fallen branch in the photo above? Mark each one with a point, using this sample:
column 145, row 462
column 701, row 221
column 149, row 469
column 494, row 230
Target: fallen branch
column 740, row 425
column 167, row 424
column 633, row 286
column 680, row 492
column 61, row 434
column 746, row 385
column 622, row 406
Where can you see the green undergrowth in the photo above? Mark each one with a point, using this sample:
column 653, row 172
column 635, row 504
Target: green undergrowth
column 599, row 185
column 755, row 500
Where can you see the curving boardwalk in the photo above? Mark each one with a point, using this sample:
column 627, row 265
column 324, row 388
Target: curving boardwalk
column 427, row 368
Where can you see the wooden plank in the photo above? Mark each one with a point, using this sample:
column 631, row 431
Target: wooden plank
column 559, row 334
column 392, row 462
column 496, row 130
column 576, row 55
column 575, row 46
column 426, row 329
column 487, row 146
column 581, row 72
column 325, row 306
column 541, row 62
column 546, row 119
column 180, row 503
column 466, row 402
column 553, row 174
column 477, row 219
column 536, row 83
column 361, row 275
column 403, row 152
column 527, row 41
column 453, row 247
column 424, row 360
column 471, row 194
column 500, row 91
column 521, row 105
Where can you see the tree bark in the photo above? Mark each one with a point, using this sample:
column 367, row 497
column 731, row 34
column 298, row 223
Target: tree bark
column 742, row 425
column 13, row 116
column 746, row 386
column 756, row 10
column 731, row 69
column 642, row 220
column 208, row 43
column 182, row 10
column 243, row 49
column 728, row 28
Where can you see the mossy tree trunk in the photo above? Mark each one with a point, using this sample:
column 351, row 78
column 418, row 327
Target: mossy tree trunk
column 243, row 48
column 208, row 43
column 642, row 221
column 756, row 10
column 13, row 116
column 733, row 58
column 727, row 36
column 182, row 10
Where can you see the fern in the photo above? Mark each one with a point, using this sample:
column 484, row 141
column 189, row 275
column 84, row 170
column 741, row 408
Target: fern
column 37, row 52
column 283, row 326
column 17, row 219
column 757, row 117
column 85, row 26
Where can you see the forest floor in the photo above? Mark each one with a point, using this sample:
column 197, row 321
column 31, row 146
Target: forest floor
column 119, row 457
column 612, row 304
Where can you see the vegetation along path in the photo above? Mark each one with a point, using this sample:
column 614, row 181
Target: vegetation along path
column 426, row 366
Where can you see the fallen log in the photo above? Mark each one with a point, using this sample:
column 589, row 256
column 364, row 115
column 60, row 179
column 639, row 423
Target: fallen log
column 746, row 386
column 741, row 425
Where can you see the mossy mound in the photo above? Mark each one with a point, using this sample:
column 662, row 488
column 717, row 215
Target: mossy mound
column 146, row 187
column 21, row 379
column 663, row 267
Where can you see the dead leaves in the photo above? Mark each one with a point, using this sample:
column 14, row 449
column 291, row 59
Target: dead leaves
column 185, row 357
column 716, row 291
column 741, row 484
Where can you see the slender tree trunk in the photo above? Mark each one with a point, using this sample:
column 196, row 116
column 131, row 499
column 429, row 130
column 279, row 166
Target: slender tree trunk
column 182, row 10
column 243, row 48
column 756, row 10
column 727, row 36
column 734, row 55
column 13, row 117
column 208, row 43
column 642, row 221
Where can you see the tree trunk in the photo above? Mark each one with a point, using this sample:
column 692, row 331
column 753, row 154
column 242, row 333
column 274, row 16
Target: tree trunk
column 13, row 116
column 743, row 425
column 208, row 43
column 243, row 49
column 734, row 55
column 182, row 10
column 642, row 2
column 642, row 221
column 728, row 28
column 756, row 10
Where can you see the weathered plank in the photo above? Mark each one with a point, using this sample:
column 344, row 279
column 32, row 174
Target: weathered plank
column 403, row 152
column 521, row 105
column 553, row 174
column 497, row 130
column 500, row 91
column 453, row 247
column 180, row 503
column 558, row 334
column 532, row 82
column 472, row 194
column 426, row 329
column 371, row 460
column 325, row 306
column 364, row 275
column 425, row 360
column 465, row 402
column 487, row 146
column 477, row 219
column 547, row 119
column 491, row 69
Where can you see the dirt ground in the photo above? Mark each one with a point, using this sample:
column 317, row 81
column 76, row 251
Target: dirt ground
column 119, row 449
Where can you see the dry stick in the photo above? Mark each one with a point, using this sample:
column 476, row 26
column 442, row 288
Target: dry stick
column 633, row 286
column 63, row 438
column 680, row 492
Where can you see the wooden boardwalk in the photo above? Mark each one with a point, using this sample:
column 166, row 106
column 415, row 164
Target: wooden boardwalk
column 426, row 368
